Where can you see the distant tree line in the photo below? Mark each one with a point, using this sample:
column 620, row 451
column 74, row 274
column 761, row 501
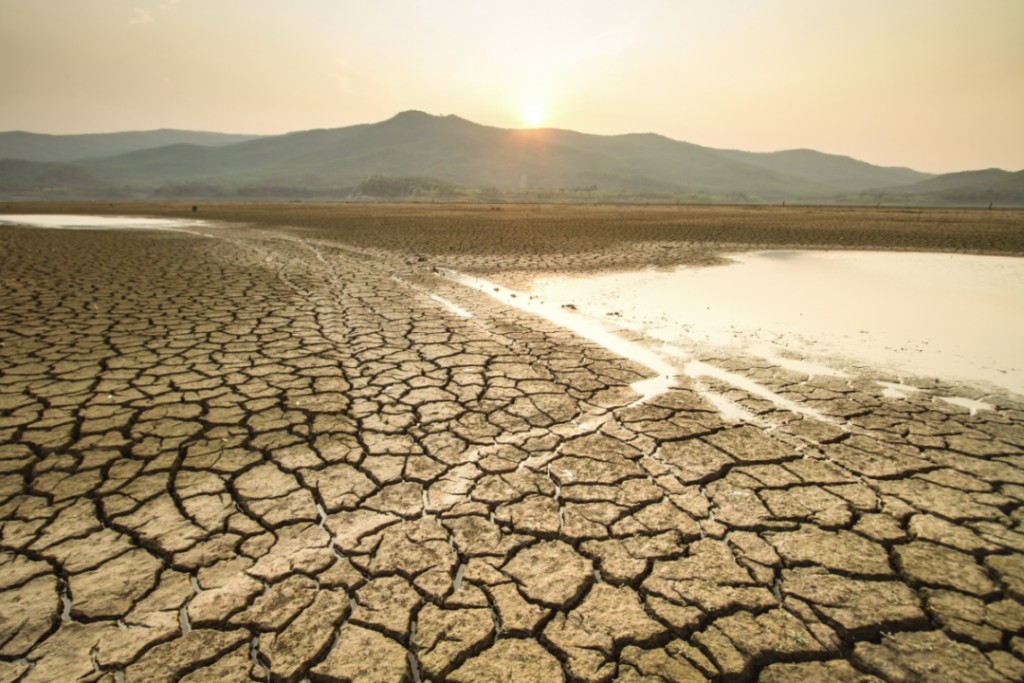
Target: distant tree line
column 387, row 187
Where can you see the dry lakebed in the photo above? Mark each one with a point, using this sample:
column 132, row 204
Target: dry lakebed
column 465, row 443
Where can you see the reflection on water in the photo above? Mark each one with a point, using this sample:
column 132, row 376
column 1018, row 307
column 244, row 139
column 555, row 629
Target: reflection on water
column 953, row 317
column 781, row 255
column 71, row 222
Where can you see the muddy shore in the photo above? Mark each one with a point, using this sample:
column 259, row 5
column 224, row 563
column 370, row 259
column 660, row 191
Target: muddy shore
column 555, row 238
column 289, row 449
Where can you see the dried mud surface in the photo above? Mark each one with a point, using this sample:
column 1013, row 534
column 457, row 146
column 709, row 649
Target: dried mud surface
column 273, row 453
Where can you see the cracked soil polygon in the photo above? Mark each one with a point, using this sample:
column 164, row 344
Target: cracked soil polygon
column 269, row 452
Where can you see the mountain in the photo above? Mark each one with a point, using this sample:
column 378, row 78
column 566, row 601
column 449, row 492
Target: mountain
column 419, row 155
column 978, row 187
column 836, row 171
column 66, row 148
column 29, row 176
column 467, row 154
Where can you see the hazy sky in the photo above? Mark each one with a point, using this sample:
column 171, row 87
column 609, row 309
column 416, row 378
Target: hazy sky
column 937, row 85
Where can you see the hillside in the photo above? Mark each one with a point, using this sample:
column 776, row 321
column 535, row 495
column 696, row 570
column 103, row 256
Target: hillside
column 419, row 155
column 836, row 171
column 67, row 148
column 991, row 185
column 988, row 186
column 18, row 177
column 957, row 181
column 459, row 152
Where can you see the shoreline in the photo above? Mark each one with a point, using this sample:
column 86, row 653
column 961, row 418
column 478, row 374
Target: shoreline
column 583, row 238
column 621, row 256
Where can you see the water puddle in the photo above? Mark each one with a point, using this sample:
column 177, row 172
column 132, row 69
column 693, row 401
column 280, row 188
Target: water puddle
column 586, row 327
column 72, row 222
column 949, row 316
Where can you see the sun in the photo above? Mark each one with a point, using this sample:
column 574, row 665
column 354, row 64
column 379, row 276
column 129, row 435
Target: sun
column 533, row 114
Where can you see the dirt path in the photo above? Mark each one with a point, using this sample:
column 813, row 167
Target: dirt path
column 284, row 455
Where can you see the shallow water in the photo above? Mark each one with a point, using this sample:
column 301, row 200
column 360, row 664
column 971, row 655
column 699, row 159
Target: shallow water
column 948, row 316
column 586, row 327
column 72, row 222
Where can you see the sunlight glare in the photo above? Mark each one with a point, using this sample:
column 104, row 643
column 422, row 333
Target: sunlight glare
column 533, row 114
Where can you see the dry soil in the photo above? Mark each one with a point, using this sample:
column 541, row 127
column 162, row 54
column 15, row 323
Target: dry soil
column 269, row 453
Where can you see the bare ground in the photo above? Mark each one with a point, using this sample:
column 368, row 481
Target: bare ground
column 270, row 454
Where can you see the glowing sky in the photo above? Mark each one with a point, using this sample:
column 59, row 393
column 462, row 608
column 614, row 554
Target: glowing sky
column 937, row 85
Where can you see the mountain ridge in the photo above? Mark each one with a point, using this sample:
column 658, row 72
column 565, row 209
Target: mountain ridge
column 462, row 159
column 46, row 147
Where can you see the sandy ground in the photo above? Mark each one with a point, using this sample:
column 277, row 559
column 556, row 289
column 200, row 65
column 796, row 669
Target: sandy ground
column 291, row 450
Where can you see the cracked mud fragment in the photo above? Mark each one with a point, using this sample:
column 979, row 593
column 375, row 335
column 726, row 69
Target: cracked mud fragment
column 445, row 637
column 274, row 456
column 29, row 611
column 510, row 660
column 363, row 656
column 737, row 642
column 291, row 651
column 927, row 655
column 550, row 573
column 591, row 634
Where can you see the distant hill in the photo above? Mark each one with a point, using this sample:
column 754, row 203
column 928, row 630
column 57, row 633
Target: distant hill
column 417, row 155
column 29, row 176
column 956, row 181
column 66, row 148
column 839, row 172
column 991, row 185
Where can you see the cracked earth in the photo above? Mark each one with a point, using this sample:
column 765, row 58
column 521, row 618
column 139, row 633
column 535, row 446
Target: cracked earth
column 254, row 457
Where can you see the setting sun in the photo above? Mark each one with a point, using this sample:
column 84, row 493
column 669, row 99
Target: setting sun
column 533, row 114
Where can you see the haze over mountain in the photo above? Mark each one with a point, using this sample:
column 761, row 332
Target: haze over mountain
column 40, row 147
column 417, row 155
column 992, row 185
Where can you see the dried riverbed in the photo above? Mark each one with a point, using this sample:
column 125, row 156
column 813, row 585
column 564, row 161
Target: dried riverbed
column 248, row 452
